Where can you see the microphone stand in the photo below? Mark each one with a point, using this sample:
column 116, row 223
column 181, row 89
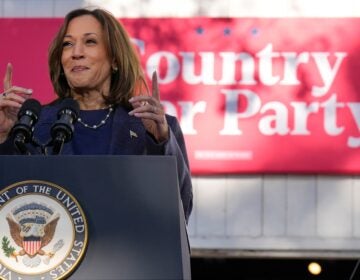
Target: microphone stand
column 58, row 143
column 39, row 145
column 20, row 145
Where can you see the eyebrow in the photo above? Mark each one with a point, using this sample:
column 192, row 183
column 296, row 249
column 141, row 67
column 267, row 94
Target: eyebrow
column 86, row 34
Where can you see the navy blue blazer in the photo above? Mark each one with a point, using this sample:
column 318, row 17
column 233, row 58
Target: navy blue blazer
column 122, row 143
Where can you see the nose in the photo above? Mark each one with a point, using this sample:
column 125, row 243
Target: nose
column 77, row 51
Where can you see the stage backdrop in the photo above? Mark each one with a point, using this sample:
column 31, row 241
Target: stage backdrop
column 252, row 95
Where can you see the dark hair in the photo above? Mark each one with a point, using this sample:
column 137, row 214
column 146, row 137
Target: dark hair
column 127, row 81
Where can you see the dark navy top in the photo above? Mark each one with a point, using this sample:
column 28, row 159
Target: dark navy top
column 88, row 141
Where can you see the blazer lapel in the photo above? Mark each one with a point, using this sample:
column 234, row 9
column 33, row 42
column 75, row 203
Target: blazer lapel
column 128, row 134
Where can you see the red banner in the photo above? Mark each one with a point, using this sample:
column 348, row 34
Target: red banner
column 252, row 95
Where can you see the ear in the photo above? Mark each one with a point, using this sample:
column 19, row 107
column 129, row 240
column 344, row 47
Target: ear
column 114, row 66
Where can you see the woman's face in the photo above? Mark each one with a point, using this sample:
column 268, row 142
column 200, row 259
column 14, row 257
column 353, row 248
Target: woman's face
column 85, row 60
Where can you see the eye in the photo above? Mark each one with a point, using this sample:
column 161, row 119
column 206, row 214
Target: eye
column 91, row 41
column 66, row 44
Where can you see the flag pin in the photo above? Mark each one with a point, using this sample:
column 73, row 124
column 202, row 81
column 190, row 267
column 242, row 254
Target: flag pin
column 133, row 134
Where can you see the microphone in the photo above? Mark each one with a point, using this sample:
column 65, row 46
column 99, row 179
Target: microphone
column 23, row 129
column 62, row 130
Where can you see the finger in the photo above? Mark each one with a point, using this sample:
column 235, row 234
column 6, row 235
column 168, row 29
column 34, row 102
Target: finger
column 21, row 90
column 8, row 76
column 150, row 116
column 4, row 102
column 148, row 108
column 13, row 96
column 143, row 99
column 155, row 87
column 135, row 103
column 145, row 107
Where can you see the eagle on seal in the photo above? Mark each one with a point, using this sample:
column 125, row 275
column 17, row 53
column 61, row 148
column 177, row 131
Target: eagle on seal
column 32, row 234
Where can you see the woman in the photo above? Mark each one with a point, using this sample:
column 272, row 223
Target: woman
column 92, row 61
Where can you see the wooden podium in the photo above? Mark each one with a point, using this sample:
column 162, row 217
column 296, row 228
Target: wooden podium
column 136, row 226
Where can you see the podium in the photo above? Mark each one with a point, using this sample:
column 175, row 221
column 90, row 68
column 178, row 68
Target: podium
column 136, row 226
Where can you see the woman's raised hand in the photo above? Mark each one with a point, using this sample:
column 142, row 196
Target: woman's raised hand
column 11, row 100
column 151, row 112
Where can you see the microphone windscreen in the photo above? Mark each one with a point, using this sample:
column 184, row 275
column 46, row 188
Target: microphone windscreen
column 30, row 105
column 70, row 104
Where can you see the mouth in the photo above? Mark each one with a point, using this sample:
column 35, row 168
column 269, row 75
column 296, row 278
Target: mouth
column 79, row 68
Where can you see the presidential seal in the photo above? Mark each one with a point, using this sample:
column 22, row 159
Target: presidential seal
column 43, row 231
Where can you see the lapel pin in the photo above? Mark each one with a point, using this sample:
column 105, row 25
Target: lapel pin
column 133, row 134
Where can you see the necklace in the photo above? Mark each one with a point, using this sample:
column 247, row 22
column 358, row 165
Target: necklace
column 101, row 123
